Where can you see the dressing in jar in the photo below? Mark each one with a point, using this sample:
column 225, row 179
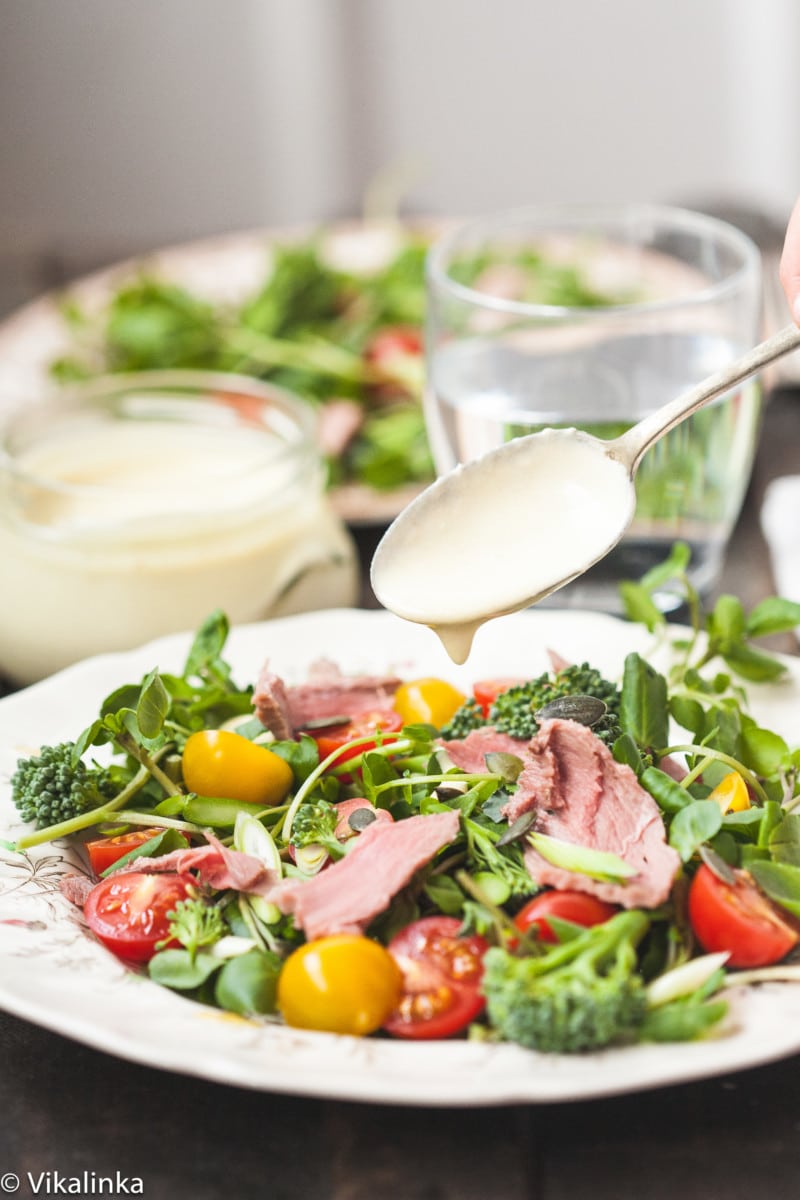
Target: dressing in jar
column 134, row 506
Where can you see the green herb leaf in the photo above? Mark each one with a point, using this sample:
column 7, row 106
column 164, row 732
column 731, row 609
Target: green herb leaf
column 668, row 795
column 781, row 882
column 773, row 615
column 643, row 706
column 178, row 969
column 152, row 707
column 248, row 984
column 693, row 825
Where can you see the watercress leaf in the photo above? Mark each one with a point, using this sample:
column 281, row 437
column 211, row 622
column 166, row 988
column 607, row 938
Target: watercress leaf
column 377, row 769
column 126, row 696
column 762, row 750
column 693, row 825
column 752, row 664
column 178, row 969
column 727, row 621
column 673, row 568
column 491, row 808
column 643, row 703
column 688, row 713
column 780, row 881
column 772, row 815
column 723, row 730
column 667, row 793
column 208, row 644
column 725, row 845
column 445, row 893
column 626, row 751
column 639, row 606
column 597, row 864
column 773, row 615
column 748, row 821
column 248, row 983
column 784, row 840
column 302, row 756
column 153, row 706
column 95, row 734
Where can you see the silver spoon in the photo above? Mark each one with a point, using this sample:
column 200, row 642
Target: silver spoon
column 505, row 530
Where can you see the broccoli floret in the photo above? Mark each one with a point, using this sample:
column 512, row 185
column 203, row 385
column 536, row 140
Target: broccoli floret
column 195, row 923
column 581, row 995
column 56, row 785
column 513, row 710
column 464, row 720
column 315, row 825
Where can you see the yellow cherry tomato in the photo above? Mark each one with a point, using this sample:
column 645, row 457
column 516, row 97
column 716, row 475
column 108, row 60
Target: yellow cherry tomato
column 344, row 983
column 217, row 762
column 731, row 793
column 427, row 702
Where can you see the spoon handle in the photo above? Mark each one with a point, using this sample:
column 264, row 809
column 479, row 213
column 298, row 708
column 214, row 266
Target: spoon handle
column 629, row 448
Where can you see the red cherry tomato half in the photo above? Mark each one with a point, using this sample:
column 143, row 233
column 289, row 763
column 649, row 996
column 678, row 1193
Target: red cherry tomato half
column 578, row 907
column 442, row 975
column 128, row 912
column 104, row 852
column 739, row 918
column 395, row 341
column 385, row 720
column 389, row 351
column 486, row 691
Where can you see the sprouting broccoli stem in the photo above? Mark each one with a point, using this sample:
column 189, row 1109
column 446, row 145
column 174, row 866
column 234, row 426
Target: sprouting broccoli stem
column 464, row 720
column 484, row 854
column 513, row 710
column 583, row 994
column 195, row 923
column 55, row 785
column 390, row 749
column 88, row 817
column 315, row 825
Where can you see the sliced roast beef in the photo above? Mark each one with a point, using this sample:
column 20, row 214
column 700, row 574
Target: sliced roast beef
column 216, row 865
column 271, row 704
column 347, row 896
column 76, row 888
column 583, row 796
column 469, row 753
column 286, row 710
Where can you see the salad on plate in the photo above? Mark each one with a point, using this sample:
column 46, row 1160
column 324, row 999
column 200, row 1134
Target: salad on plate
column 566, row 863
column 334, row 315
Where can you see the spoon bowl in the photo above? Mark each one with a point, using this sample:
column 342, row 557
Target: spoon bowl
column 503, row 531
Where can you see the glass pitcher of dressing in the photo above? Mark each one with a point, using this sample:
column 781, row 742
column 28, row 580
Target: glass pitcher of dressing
column 135, row 505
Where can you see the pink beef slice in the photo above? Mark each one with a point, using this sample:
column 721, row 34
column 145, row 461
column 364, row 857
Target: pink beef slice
column 582, row 795
column 469, row 753
column 285, row 710
column 348, row 895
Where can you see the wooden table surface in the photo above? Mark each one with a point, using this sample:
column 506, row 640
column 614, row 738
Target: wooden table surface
column 66, row 1109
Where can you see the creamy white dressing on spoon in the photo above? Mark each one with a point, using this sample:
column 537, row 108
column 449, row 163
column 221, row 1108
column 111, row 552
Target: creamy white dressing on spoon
column 503, row 531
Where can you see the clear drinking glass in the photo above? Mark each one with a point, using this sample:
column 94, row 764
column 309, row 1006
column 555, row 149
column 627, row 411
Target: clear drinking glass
column 593, row 317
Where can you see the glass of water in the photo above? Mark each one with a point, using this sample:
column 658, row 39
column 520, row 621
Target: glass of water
column 593, row 317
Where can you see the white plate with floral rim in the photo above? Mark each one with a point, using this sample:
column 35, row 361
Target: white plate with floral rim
column 53, row 972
